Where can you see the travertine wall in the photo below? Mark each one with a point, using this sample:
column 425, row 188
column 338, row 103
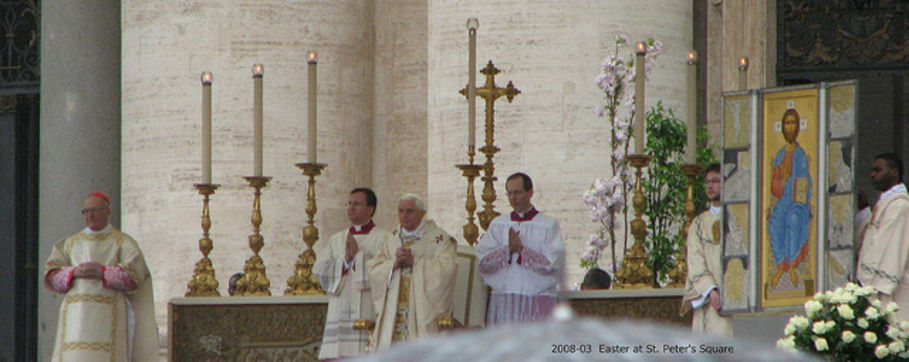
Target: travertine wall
column 166, row 45
column 400, row 118
column 553, row 52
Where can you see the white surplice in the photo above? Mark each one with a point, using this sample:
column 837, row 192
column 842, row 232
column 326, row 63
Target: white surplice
column 523, row 285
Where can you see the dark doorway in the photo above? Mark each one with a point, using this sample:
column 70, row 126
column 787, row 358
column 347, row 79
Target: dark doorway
column 867, row 40
column 19, row 156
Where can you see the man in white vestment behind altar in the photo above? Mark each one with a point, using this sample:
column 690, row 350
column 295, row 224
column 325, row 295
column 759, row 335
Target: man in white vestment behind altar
column 108, row 311
column 885, row 245
column 705, row 266
column 521, row 256
column 343, row 273
column 412, row 277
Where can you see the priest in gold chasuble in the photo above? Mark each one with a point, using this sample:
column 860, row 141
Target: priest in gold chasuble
column 705, row 269
column 341, row 266
column 108, row 311
column 412, row 277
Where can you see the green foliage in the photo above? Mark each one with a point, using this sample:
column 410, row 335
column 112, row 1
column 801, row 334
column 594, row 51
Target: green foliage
column 665, row 186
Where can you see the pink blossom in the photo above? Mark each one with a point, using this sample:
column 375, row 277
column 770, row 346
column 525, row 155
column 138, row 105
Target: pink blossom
column 621, row 39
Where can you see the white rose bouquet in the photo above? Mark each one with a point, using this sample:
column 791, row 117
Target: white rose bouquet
column 845, row 325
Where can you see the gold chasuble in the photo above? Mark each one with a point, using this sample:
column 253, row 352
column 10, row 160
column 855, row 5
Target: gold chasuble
column 704, row 270
column 411, row 300
column 885, row 251
column 347, row 285
column 98, row 321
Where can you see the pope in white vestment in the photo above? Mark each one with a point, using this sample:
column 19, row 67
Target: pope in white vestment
column 412, row 278
column 108, row 311
column 341, row 266
column 885, row 248
column 521, row 257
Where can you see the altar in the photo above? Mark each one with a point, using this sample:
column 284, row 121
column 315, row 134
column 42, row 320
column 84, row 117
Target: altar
column 289, row 328
column 280, row 328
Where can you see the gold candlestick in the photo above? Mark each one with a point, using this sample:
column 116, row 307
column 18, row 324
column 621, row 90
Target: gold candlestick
column 471, row 171
column 303, row 281
column 635, row 273
column 490, row 92
column 254, row 281
column 203, row 283
column 678, row 273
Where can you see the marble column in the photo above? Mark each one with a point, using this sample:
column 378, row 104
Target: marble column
column 79, row 127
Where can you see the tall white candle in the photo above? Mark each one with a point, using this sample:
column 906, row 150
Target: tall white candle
column 312, row 90
column 743, row 73
column 692, row 122
column 639, row 79
column 206, row 127
column 472, row 25
column 258, row 71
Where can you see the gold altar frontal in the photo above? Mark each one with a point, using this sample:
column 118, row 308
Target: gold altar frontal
column 279, row 328
column 289, row 328
column 656, row 305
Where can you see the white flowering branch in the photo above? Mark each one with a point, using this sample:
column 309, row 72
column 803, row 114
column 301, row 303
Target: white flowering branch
column 607, row 197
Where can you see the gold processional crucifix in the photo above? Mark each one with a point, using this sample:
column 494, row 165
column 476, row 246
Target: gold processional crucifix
column 490, row 92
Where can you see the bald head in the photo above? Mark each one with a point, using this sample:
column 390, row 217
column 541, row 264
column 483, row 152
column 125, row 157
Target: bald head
column 96, row 211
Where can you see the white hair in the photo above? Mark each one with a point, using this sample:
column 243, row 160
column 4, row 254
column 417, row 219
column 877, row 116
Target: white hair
column 417, row 200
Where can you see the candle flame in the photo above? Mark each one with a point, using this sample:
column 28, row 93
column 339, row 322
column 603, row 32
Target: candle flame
column 641, row 47
column 692, row 57
column 743, row 64
column 312, row 57
column 206, row 78
column 258, row 70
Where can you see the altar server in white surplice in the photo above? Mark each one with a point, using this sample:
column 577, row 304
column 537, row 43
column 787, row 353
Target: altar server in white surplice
column 412, row 277
column 885, row 249
column 108, row 311
column 704, row 260
column 521, row 257
column 343, row 274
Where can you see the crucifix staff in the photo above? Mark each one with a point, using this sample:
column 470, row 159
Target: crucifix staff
column 490, row 93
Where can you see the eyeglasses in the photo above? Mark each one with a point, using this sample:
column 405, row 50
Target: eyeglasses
column 95, row 210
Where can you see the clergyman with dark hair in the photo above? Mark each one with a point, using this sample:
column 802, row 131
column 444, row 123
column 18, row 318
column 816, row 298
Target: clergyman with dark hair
column 343, row 274
column 705, row 266
column 521, row 256
column 885, row 240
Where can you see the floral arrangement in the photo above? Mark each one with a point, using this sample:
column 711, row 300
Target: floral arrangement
column 846, row 325
column 607, row 197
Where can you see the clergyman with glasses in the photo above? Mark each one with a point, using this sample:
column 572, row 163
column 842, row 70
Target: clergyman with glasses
column 107, row 313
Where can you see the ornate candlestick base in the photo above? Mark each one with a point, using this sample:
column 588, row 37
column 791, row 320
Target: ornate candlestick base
column 303, row 281
column 470, row 171
column 204, row 283
column 678, row 273
column 254, row 281
column 635, row 273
